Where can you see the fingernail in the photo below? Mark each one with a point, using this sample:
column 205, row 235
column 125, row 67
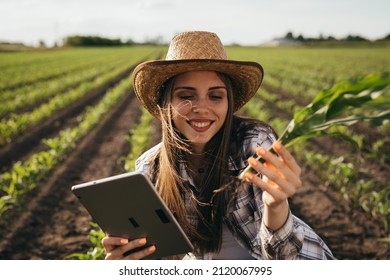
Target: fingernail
column 142, row 241
column 249, row 176
column 124, row 241
column 261, row 151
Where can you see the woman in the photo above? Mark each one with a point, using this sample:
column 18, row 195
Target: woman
column 195, row 92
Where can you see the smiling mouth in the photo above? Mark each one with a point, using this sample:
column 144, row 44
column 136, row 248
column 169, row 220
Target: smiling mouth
column 200, row 125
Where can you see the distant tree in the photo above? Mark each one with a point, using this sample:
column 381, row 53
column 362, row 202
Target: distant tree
column 289, row 35
column 301, row 38
column 90, row 41
column 386, row 37
column 158, row 40
column 42, row 44
column 130, row 42
column 355, row 38
column 321, row 38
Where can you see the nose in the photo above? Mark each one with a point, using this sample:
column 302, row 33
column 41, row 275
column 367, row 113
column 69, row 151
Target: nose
column 200, row 106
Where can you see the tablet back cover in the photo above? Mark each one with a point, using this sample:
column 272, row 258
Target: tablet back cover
column 128, row 206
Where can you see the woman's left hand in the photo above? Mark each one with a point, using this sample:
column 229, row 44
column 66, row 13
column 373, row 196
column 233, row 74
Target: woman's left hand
column 281, row 175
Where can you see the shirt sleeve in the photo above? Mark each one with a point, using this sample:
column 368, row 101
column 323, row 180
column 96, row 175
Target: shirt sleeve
column 142, row 164
column 295, row 240
column 283, row 243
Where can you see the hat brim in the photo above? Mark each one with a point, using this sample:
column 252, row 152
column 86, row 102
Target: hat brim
column 149, row 76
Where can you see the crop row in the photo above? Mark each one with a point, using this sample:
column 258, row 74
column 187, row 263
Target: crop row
column 16, row 124
column 25, row 176
column 23, row 68
column 304, row 72
column 40, row 92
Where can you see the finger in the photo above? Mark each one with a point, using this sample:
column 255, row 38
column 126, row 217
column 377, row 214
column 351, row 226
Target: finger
column 277, row 193
column 280, row 175
column 137, row 254
column 142, row 254
column 275, row 182
column 285, row 173
column 271, row 158
column 287, row 157
column 278, row 166
column 109, row 243
column 119, row 251
column 274, row 191
column 136, row 243
column 287, row 188
column 261, row 168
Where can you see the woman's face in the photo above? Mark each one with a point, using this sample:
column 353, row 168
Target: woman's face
column 200, row 105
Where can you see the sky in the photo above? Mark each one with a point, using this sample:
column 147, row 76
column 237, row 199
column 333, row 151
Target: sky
column 245, row 22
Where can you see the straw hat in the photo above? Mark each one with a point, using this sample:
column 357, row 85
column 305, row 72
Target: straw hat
column 195, row 50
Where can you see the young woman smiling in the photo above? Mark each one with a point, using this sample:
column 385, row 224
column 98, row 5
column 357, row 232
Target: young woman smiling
column 195, row 93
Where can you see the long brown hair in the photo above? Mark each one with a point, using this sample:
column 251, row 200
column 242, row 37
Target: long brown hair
column 210, row 199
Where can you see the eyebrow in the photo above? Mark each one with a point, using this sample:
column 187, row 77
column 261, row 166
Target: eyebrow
column 192, row 88
column 217, row 87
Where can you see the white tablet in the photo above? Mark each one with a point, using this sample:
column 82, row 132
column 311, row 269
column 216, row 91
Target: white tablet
column 128, row 206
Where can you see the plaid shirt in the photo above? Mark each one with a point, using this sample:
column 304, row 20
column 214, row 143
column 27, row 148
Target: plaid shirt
column 295, row 240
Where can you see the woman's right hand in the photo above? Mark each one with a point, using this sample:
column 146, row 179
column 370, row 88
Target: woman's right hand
column 115, row 248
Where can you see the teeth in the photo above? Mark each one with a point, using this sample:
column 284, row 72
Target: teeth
column 200, row 124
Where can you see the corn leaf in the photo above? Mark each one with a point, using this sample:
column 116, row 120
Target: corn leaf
column 330, row 108
column 328, row 104
column 377, row 120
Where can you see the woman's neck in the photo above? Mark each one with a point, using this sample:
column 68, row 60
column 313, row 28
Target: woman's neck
column 197, row 166
column 198, row 149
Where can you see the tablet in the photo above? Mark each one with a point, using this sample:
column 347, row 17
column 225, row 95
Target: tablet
column 128, row 206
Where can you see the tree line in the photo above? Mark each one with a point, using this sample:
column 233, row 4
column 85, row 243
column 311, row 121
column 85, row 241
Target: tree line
column 91, row 41
column 321, row 38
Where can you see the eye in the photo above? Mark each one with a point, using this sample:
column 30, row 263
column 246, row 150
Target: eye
column 217, row 95
column 186, row 96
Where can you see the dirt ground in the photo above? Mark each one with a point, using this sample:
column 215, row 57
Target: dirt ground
column 53, row 224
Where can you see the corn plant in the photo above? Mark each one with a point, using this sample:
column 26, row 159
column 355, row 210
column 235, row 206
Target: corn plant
column 329, row 107
column 96, row 252
column 372, row 195
column 26, row 175
column 139, row 137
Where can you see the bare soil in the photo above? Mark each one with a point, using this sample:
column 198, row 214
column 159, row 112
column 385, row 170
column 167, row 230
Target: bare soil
column 53, row 224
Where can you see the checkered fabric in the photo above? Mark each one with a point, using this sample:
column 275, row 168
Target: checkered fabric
column 244, row 218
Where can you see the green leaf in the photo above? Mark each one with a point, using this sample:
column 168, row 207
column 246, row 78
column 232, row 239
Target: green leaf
column 377, row 120
column 328, row 104
column 316, row 118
